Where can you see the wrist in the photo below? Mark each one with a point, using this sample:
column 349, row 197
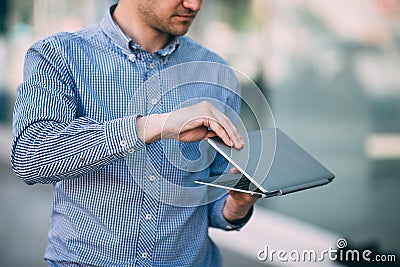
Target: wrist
column 149, row 128
column 234, row 212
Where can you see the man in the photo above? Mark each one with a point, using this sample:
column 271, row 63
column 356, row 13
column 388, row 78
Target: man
column 107, row 167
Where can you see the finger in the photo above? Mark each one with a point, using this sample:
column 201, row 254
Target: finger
column 243, row 197
column 221, row 125
column 193, row 135
column 211, row 134
column 234, row 170
column 229, row 128
column 226, row 133
column 219, row 130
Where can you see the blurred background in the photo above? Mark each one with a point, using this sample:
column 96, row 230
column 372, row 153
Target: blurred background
column 330, row 70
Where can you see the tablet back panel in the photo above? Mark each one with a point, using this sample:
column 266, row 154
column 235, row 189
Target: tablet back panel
column 293, row 168
column 276, row 162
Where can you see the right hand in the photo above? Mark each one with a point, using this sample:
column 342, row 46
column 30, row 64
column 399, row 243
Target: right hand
column 189, row 124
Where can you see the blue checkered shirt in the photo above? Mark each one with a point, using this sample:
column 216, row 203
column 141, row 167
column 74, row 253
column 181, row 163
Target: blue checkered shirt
column 74, row 127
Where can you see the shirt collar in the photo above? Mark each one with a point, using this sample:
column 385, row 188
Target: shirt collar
column 120, row 39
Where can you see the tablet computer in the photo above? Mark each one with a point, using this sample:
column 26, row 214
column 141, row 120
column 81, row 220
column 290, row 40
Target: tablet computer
column 270, row 164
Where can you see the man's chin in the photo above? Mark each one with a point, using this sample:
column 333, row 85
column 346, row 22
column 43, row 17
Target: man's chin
column 179, row 28
column 180, row 32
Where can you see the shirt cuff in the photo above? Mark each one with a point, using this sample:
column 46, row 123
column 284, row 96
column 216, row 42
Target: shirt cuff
column 121, row 136
column 219, row 221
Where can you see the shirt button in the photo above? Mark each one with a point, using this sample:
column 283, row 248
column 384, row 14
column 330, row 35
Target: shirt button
column 132, row 46
column 228, row 227
column 148, row 216
column 152, row 178
column 132, row 57
column 131, row 150
column 154, row 101
column 82, row 159
column 151, row 65
column 144, row 255
column 123, row 143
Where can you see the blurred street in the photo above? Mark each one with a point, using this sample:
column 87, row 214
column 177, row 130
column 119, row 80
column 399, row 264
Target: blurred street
column 24, row 218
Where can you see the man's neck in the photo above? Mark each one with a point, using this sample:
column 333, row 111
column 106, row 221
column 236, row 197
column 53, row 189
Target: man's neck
column 148, row 38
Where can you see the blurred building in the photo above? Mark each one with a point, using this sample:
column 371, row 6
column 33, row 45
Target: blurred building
column 25, row 21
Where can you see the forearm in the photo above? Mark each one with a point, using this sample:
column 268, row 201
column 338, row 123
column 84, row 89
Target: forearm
column 189, row 124
column 150, row 128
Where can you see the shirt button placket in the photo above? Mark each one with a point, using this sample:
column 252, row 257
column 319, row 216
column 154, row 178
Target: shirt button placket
column 153, row 91
column 151, row 183
column 149, row 215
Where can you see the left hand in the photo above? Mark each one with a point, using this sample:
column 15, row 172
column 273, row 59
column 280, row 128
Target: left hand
column 237, row 204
